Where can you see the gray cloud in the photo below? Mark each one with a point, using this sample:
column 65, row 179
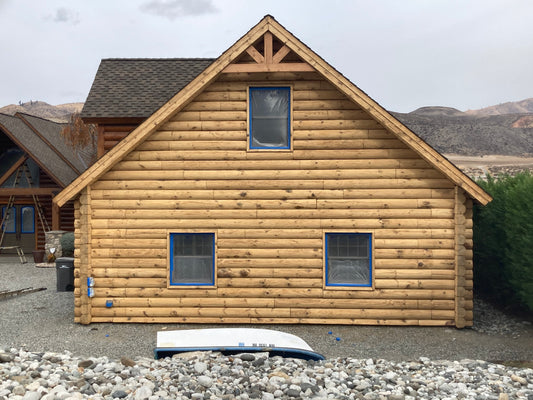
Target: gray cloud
column 173, row 9
column 65, row 15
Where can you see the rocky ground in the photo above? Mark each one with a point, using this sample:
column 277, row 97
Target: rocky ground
column 44, row 355
column 50, row 376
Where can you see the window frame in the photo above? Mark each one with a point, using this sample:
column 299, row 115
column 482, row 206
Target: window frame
column 249, row 111
column 170, row 261
column 14, row 215
column 22, row 219
column 371, row 263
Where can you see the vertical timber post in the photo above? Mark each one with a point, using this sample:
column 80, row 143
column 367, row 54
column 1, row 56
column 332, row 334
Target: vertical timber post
column 84, row 258
column 460, row 257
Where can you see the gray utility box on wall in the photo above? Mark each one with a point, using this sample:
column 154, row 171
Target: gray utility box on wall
column 65, row 274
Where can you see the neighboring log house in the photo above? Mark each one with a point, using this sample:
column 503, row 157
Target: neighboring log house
column 35, row 165
column 267, row 189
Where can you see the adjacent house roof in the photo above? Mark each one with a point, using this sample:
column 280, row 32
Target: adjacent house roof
column 311, row 61
column 41, row 140
column 135, row 88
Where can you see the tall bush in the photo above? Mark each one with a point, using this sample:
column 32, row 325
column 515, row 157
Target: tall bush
column 503, row 241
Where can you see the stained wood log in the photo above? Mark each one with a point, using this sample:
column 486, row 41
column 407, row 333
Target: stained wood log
column 404, row 164
column 216, row 106
column 415, row 215
column 210, row 116
column 414, row 274
column 310, row 105
column 329, row 144
column 134, row 193
column 269, row 283
column 160, row 145
column 308, row 253
column 414, row 283
column 361, row 224
column 413, row 263
column 197, row 136
column 266, row 243
column 270, row 263
column 273, row 272
column 129, row 273
column 204, row 204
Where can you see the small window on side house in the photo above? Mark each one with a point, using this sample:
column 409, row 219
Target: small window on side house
column 269, row 125
column 10, row 220
column 192, row 259
column 348, row 259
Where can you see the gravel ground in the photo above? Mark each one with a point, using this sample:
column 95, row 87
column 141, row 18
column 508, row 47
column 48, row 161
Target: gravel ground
column 43, row 321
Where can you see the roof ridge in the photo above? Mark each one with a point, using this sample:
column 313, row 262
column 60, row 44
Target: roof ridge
column 159, row 59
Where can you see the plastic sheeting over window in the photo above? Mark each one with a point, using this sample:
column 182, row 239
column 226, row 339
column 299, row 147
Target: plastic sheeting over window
column 348, row 259
column 192, row 259
column 269, row 118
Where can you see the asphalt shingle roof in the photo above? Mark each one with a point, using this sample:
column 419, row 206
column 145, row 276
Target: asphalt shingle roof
column 135, row 88
column 37, row 148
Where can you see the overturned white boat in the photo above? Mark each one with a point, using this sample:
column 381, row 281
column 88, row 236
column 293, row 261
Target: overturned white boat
column 233, row 341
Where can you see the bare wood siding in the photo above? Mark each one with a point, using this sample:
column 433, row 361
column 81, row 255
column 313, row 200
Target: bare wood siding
column 270, row 209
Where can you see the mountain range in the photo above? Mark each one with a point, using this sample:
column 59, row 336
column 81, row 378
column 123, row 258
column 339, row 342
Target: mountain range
column 503, row 129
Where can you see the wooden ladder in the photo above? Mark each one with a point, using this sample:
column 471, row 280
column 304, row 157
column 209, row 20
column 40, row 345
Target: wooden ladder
column 10, row 204
column 38, row 206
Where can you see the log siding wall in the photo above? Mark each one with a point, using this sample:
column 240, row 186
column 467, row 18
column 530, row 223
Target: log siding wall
column 270, row 210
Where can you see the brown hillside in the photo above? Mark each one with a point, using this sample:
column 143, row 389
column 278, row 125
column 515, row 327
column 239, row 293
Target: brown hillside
column 59, row 113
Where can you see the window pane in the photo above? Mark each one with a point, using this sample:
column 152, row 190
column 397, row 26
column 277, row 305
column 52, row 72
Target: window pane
column 348, row 259
column 269, row 117
column 28, row 220
column 192, row 258
column 10, row 219
column 348, row 271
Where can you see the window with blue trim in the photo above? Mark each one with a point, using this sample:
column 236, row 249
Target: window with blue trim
column 270, row 126
column 10, row 221
column 192, row 259
column 27, row 222
column 348, row 259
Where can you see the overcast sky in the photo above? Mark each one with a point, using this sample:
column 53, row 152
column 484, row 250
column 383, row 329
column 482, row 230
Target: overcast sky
column 406, row 54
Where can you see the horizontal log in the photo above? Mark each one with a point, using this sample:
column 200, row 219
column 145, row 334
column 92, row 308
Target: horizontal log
column 414, row 274
column 400, row 243
column 268, row 242
column 164, row 194
column 204, row 204
column 373, row 313
column 178, row 145
column 128, row 262
column 262, row 77
column 248, row 165
column 198, row 136
column 216, row 106
column 344, row 144
column 272, row 214
column 336, row 124
column 414, row 263
column 140, row 283
column 129, row 273
column 308, row 253
column 359, row 224
column 189, row 312
column 372, row 154
column 270, row 263
column 281, row 174
column 415, row 253
column 317, row 95
column 207, row 125
column 414, row 284
column 288, row 283
column 282, row 303
column 210, row 116
column 137, row 253
column 311, row 105
column 273, row 272
column 329, row 114
column 379, row 204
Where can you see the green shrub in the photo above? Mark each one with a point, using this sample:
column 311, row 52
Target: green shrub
column 67, row 244
column 503, row 242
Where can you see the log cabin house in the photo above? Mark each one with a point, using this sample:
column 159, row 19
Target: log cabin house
column 35, row 165
column 267, row 188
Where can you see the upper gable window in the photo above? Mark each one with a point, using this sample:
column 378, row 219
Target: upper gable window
column 270, row 124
